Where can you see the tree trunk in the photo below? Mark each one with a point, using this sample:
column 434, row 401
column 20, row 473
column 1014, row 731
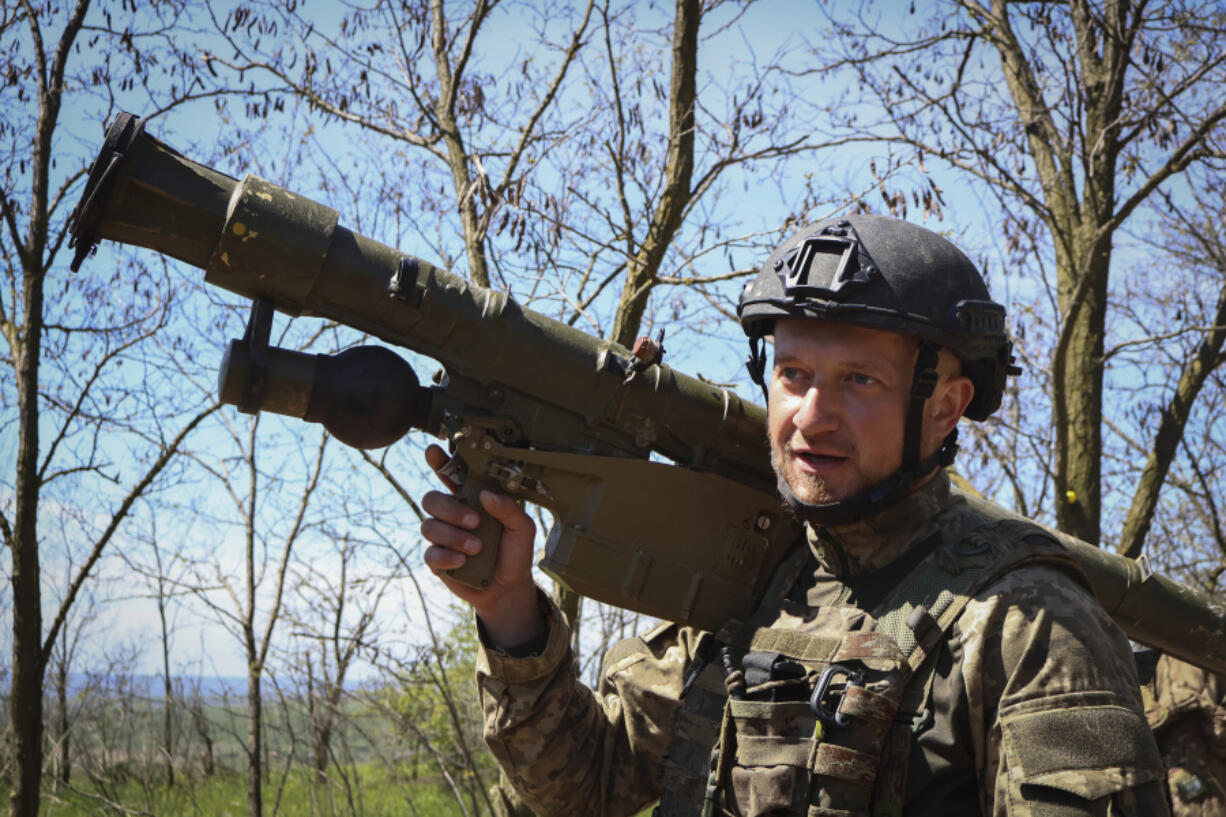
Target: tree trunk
column 29, row 656
column 208, row 763
column 168, row 693
column 64, row 761
column 1080, row 393
column 643, row 270
column 255, row 746
column 26, row 697
column 457, row 155
column 319, row 752
column 321, row 740
column 1081, row 229
column 327, row 721
column 29, row 660
column 168, row 733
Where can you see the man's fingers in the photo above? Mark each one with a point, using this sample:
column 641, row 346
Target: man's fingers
column 440, row 558
column 436, row 458
column 449, row 509
column 508, row 512
column 450, row 537
column 449, row 530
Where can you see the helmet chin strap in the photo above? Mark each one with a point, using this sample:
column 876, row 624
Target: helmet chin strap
column 756, row 363
column 879, row 497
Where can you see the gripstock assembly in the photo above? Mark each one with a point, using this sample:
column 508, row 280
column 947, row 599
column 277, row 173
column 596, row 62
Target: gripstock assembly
column 530, row 406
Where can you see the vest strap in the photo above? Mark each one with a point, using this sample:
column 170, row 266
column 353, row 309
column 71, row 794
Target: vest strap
column 863, row 704
column 832, row 760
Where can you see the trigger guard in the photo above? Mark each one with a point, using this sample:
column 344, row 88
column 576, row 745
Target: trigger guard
column 455, row 470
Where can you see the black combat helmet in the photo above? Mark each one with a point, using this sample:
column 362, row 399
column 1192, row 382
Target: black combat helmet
column 889, row 274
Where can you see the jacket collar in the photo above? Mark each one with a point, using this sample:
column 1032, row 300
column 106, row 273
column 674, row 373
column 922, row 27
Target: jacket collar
column 871, row 543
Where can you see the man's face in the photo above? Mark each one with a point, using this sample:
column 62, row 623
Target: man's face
column 838, row 401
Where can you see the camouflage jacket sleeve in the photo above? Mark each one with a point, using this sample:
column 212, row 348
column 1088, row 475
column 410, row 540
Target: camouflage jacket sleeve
column 1051, row 681
column 569, row 750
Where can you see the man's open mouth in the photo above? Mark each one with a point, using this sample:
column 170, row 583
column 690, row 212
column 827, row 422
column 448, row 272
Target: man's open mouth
column 820, row 459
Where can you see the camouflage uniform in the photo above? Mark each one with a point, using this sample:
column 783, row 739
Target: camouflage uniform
column 1186, row 707
column 1034, row 706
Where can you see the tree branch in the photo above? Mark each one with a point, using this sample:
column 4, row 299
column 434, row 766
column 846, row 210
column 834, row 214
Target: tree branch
column 117, row 518
column 290, row 539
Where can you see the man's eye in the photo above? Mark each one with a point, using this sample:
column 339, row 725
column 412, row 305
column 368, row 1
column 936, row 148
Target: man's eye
column 862, row 379
column 789, row 373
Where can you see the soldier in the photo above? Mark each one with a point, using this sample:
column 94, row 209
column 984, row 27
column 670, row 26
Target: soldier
column 1186, row 707
column 922, row 653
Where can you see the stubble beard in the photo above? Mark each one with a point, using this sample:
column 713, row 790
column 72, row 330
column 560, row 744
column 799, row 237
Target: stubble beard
column 808, row 488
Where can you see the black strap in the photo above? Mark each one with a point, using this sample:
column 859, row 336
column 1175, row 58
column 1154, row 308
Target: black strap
column 756, row 362
column 923, row 382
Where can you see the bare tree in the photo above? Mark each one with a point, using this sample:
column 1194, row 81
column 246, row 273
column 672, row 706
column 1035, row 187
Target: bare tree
column 1073, row 116
column 162, row 597
column 66, row 672
column 6, row 760
column 428, row 694
column 251, row 604
column 165, row 578
column 408, row 75
column 1194, row 241
column 63, row 340
column 1175, row 338
column 334, row 617
column 196, row 706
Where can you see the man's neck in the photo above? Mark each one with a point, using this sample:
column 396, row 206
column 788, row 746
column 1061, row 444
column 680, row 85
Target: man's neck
column 856, row 548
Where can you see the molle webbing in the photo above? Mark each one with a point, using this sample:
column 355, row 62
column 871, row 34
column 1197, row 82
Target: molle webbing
column 686, row 769
column 870, row 777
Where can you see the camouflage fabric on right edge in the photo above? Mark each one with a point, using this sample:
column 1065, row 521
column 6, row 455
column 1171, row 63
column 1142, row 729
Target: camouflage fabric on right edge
column 1185, row 708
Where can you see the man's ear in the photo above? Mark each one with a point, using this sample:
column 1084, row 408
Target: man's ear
column 949, row 400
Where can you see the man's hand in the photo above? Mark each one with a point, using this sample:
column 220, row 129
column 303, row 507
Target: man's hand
column 508, row 606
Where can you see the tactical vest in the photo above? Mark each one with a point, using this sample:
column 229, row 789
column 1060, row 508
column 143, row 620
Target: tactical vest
column 820, row 723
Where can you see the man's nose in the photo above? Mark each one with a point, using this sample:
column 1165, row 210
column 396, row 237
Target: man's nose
column 818, row 411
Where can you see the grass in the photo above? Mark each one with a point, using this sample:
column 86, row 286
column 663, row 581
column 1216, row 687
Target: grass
column 371, row 793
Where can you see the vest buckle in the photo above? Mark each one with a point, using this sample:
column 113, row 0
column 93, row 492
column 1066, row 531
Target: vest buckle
column 832, row 713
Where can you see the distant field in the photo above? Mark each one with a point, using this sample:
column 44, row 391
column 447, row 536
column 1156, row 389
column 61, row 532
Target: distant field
column 391, row 753
column 370, row 794
column 394, row 753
